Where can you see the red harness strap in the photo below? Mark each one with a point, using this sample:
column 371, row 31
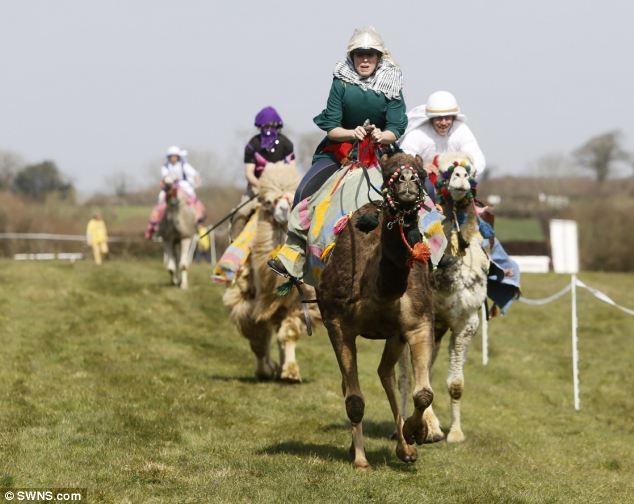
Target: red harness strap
column 366, row 152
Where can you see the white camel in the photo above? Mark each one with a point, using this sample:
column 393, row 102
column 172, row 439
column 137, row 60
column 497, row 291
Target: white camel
column 177, row 229
column 459, row 289
column 256, row 308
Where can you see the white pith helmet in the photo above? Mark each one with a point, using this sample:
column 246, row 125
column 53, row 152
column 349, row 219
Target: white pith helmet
column 366, row 38
column 442, row 103
column 173, row 151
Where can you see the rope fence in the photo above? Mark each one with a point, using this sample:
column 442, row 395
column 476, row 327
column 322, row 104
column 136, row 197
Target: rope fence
column 572, row 288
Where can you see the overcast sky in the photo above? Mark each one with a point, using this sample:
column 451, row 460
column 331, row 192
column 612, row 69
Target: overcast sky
column 107, row 86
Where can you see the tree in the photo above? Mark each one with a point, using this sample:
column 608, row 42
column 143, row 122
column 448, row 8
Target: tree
column 121, row 183
column 38, row 180
column 10, row 164
column 600, row 152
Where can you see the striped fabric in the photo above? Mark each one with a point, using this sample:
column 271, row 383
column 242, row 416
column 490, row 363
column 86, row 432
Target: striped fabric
column 387, row 79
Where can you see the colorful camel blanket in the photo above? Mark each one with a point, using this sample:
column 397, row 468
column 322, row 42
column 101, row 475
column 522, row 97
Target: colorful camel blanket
column 236, row 254
column 326, row 213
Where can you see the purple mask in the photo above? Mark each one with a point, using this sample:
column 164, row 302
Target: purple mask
column 268, row 137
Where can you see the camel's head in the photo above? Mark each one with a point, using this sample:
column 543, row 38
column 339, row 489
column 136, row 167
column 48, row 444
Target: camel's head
column 277, row 188
column 170, row 186
column 403, row 177
column 456, row 178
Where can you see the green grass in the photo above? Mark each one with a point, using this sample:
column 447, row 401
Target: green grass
column 518, row 229
column 112, row 381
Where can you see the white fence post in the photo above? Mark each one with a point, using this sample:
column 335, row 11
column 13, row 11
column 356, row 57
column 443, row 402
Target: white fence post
column 212, row 245
column 485, row 336
column 575, row 351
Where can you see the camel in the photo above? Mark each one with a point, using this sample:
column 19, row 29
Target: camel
column 177, row 229
column 371, row 287
column 459, row 290
column 255, row 307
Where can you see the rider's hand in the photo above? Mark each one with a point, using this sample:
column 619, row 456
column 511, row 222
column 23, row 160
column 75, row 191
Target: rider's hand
column 377, row 135
column 358, row 133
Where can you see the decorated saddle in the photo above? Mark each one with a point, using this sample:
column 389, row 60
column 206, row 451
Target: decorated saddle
column 326, row 213
column 236, row 254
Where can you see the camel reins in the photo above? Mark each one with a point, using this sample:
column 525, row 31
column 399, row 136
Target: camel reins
column 234, row 211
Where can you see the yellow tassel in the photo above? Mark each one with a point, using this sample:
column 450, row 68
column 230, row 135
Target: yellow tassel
column 327, row 251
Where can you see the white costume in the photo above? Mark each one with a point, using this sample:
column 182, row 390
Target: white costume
column 187, row 176
column 421, row 138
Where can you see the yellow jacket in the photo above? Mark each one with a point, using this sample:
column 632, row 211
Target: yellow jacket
column 96, row 231
column 203, row 243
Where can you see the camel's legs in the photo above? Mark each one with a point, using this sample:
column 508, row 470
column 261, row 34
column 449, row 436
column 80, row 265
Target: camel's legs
column 169, row 257
column 184, row 262
column 404, row 379
column 434, row 432
column 259, row 336
column 393, row 349
column 345, row 349
column 287, row 337
column 458, row 345
column 421, row 347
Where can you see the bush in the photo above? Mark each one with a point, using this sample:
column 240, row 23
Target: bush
column 606, row 242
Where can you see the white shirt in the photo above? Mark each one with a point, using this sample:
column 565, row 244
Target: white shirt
column 424, row 141
column 185, row 173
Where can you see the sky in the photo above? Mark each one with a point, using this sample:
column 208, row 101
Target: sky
column 106, row 86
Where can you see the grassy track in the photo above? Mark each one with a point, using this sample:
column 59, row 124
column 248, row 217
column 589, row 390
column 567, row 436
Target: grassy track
column 112, row 381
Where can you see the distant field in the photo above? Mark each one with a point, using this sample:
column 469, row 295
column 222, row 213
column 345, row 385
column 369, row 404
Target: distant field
column 518, row 229
column 111, row 380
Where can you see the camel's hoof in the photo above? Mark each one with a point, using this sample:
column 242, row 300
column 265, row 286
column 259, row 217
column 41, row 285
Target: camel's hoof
column 362, row 465
column 265, row 376
column 414, row 431
column 407, row 453
column 290, row 373
column 434, row 437
column 455, row 437
column 268, row 373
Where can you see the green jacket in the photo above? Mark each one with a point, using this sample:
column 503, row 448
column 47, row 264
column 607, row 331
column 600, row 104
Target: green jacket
column 349, row 106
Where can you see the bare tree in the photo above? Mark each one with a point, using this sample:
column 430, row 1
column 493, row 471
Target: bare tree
column 120, row 183
column 212, row 170
column 10, row 164
column 600, row 152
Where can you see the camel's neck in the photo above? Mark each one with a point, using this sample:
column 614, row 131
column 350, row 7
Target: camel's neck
column 392, row 271
column 468, row 224
column 268, row 236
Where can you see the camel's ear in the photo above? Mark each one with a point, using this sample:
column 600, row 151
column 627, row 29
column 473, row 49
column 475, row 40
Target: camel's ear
column 383, row 160
column 420, row 164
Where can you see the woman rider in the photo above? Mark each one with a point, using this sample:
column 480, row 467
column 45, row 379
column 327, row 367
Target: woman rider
column 269, row 146
column 365, row 101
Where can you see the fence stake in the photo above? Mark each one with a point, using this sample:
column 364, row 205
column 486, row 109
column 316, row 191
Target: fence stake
column 485, row 336
column 575, row 351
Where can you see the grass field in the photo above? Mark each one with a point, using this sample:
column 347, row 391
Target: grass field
column 507, row 229
column 112, row 381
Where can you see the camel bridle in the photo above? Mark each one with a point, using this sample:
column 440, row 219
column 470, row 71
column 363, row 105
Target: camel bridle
column 397, row 212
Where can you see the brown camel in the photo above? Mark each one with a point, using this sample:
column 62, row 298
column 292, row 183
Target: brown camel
column 371, row 288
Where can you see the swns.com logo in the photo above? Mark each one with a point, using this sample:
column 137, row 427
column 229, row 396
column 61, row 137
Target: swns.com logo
column 43, row 495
